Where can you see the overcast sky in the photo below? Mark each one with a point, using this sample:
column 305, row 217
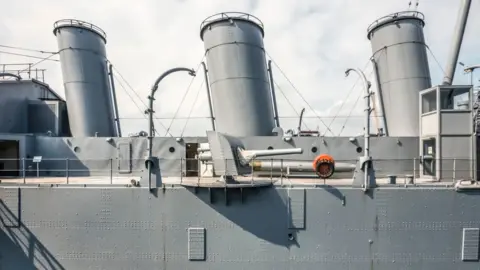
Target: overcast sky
column 312, row 41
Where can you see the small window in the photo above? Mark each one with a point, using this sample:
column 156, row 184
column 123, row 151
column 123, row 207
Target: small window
column 314, row 149
column 270, row 148
column 171, row 149
column 359, row 149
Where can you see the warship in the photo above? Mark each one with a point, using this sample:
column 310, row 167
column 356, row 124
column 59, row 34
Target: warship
column 76, row 194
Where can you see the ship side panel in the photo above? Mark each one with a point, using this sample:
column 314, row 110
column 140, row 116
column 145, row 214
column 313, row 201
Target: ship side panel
column 344, row 228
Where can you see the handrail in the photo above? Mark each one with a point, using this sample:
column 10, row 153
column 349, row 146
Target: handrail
column 231, row 15
column 79, row 23
column 402, row 14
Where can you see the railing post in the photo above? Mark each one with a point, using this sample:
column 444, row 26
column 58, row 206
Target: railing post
column 251, row 166
column 181, row 170
column 67, row 169
column 199, row 170
column 271, row 170
column 454, row 169
column 111, row 171
column 23, row 170
column 281, row 172
column 414, row 169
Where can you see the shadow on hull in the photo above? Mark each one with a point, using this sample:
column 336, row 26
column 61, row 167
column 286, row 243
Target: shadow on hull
column 19, row 247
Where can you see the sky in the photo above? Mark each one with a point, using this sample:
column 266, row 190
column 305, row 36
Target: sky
column 312, row 42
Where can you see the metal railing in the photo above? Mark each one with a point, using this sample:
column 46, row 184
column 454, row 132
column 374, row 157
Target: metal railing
column 25, row 71
column 402, row 14
column 412, row 171
column 82, row 24
column 231, row 15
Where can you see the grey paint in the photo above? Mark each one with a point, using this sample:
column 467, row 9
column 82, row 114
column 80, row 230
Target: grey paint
column 15, row 97
column 129, row 228
column 399, row 49
column 457, row 41
column 85, row 77
column 238, row 76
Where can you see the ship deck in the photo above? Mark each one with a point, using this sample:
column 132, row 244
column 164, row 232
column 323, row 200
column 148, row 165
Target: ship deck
column 243, row 181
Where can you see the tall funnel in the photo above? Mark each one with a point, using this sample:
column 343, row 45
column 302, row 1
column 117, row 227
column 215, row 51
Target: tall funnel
column 85, row 77
column 399, row 52
column 238, row 76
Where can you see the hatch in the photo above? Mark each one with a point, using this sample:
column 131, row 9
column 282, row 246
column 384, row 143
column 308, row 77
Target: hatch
column 9, row 158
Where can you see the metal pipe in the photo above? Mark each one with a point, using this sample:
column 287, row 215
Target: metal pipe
column 209, row 95
column 457, row 42
column 274, row 98
column 295, row 166
column 115, row 105
column 6, row 74
column 300, row 121
column 366, row 86
column 191, row 72
column 380, row 96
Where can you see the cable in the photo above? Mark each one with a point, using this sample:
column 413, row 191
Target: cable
column 136, row 105
column 436, row 60
column 24, row 49
column 31, row 56
column 348, row 95
column 208, row 117
column 298, row 92
column 191, row 108
column 353, row 107
column 291, row 105
column 186, row 92
column 136, row 94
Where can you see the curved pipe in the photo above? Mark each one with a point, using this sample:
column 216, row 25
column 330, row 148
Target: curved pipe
column 191, row 72
column 10, row 75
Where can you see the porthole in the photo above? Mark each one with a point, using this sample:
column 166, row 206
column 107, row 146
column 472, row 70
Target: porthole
column 359, row 149
column 76, row 149
column 314, row 149
column 171, row 149
column 270, row 148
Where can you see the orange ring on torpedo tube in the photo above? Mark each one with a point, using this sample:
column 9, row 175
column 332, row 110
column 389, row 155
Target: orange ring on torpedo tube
column 324, row 166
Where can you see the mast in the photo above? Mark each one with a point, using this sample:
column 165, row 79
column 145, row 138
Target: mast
column 457, row 42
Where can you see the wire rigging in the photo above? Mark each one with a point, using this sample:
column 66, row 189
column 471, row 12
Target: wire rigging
column 31, row 56
column 353, row 108
column 290, row 103
column 191, row 108
column 186, row 92
column 139, row 98
column 346, row 98
column 25, row 49
column 298, row 92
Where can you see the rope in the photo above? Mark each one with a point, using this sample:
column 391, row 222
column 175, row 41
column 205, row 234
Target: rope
column 24, row 49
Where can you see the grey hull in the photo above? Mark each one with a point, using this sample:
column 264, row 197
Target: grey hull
column 321, row 228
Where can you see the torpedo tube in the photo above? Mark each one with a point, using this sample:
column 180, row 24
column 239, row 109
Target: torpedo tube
column 324, row 166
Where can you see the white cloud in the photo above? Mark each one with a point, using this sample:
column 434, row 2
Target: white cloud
column 312, row 41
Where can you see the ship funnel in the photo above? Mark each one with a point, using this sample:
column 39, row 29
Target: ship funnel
column 237, row 72
column 401, row 65
column 85, row 77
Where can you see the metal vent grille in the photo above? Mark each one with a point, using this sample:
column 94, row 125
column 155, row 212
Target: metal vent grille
column 470, row 246
column 196, row 244
column 296, row 208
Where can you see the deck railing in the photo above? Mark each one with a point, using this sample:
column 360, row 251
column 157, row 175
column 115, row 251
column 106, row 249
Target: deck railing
column 408, row 171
